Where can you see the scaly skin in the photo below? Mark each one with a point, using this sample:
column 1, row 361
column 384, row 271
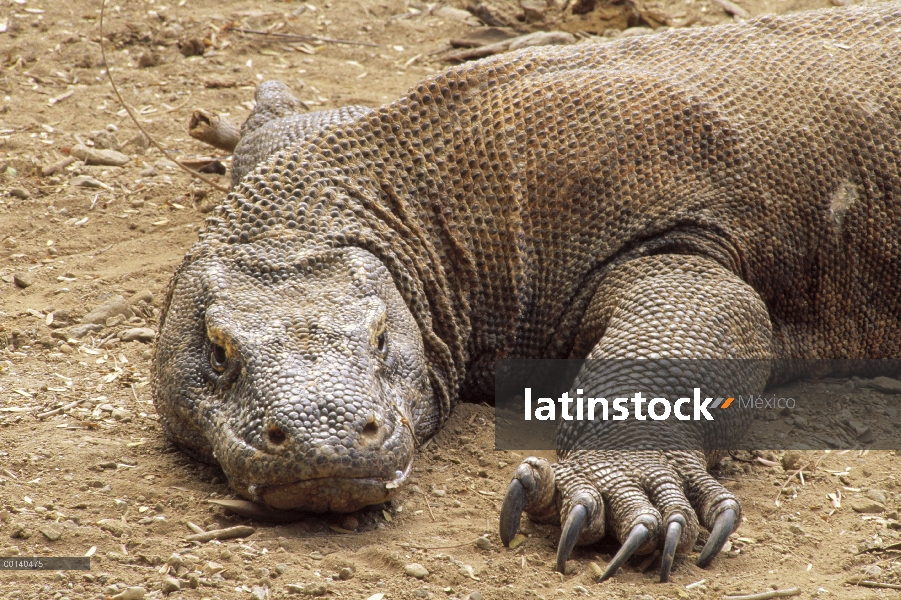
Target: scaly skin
column 721, row 193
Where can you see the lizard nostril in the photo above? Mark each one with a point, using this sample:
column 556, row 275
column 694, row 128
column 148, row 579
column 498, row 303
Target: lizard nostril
column 275, row 435
column 371, row 428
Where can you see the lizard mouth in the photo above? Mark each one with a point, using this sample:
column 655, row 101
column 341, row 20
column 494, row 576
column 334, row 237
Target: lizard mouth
column 328, row 494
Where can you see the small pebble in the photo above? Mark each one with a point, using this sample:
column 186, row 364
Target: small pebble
column 120, row 414
column 137, row 334
column 51, row 533
column 483, row 543
column 19, row 192
column 171, row 584
column 310, row 589
column 416, row 570
column 877, row 495
column 259, row 593
column 887, row 384
column 345, row 574
column 867, row 506
column 76, row 332
column 85, row 181
column 99, row 156
column 872, row 570
column 144, row 296
column 132, row 593
column 114, row 526
column 148, row 59
column 23, row 280
column 116, row 305
column 281, row 568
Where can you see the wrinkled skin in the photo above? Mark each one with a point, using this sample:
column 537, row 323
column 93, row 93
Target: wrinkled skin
column 630, row 200
column 251, row 349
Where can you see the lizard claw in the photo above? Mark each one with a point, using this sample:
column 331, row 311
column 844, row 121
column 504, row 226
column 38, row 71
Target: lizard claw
column 673, row 535
column 511, row 510
column 723, row 526
column 570, row 533
column 637, row 538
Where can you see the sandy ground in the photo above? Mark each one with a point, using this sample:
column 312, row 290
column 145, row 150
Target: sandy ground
column 98, row 477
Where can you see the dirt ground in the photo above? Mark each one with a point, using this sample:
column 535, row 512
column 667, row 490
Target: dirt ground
column 98, row 477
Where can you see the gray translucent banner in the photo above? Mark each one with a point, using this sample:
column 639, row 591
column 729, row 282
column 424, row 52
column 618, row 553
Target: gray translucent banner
column 45, row 563
column 712, row 405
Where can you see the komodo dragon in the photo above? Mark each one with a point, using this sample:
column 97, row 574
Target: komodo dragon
column 716, row 193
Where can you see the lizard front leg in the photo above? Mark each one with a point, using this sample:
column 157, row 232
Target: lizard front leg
column 609, row 476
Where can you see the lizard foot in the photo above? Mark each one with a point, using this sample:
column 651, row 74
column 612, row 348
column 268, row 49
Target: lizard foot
column 647, row 498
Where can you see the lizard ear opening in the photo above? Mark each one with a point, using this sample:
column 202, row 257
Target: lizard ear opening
column 218, row 358
column 382, row 342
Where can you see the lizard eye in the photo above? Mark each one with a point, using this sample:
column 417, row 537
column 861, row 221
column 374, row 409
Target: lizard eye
column 218, row 358
column 383, row 343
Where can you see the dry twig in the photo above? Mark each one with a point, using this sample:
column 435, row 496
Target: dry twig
column 767, row 595
column 298, row 36
column 135, row 119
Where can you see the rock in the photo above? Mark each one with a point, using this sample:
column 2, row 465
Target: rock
column 110, row 308
column 106, row 140
column 23, row 280
column 636, row 31
column 877, row 495
column 872, row 570
column 310, row 589
column 19, row 192
column 887, row 385
column 19, row 531
column 792, row 460
column 259, row 593
column 76, row 332
column 416, row 570
column 350, row 522
column 113, row 321
column 456, row 14
column 120, row 414
column 474, row 595
column 542, row 38
column 171, row 584
column 137, row 334
column 191, row 47
column 132, row 593
column 148, row 59
column 483, row 543
column 867, row 506
column 94, row 156
column 51, row 533
column 114, row 526
column 61, row 318
column 142, row 297
column 796, row 529
column 85, row 181
column 534, row 10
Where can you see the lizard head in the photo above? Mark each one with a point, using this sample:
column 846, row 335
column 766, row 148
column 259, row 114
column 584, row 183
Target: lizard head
column 300, row 372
